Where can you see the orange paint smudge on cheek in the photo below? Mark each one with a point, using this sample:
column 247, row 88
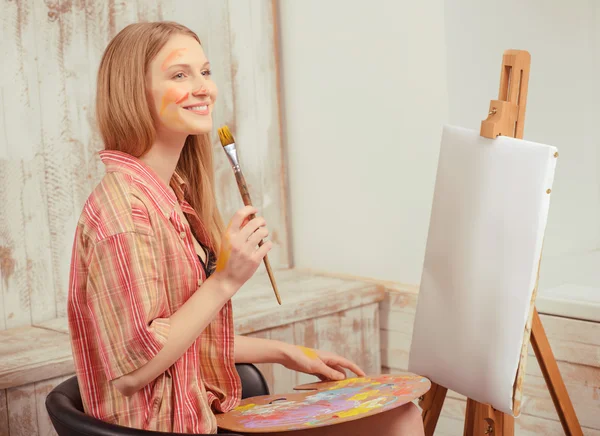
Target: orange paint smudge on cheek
column 173, row 95
column 309, row 352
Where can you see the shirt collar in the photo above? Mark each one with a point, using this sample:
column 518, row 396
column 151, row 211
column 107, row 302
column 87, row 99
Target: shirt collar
column 118, row 161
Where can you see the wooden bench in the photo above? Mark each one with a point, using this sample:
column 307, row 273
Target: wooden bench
column 326, row 312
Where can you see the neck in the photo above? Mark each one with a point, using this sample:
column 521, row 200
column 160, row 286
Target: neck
column 163, row 157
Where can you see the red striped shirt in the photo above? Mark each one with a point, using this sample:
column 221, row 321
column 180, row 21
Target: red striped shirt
column 133, row 265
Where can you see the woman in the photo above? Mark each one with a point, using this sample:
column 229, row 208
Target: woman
column 149, row 305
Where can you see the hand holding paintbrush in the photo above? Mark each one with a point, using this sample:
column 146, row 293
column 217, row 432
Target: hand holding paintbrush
column 228, row 144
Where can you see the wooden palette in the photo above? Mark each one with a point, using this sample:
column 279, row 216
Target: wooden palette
column 324, row 403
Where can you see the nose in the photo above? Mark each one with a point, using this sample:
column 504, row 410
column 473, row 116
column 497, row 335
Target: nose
column 200, row 87
column 200, row 91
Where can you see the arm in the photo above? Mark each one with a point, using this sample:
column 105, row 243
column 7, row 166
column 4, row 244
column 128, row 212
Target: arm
column 186, row 324
column 258, row 350
column 325, row 365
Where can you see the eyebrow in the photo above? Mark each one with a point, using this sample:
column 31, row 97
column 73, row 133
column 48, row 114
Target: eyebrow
column 186, row 66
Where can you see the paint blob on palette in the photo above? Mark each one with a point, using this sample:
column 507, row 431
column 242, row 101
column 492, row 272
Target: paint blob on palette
column 326, row 403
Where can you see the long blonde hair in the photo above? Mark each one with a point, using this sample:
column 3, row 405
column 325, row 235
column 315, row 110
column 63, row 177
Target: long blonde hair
column 126, row 123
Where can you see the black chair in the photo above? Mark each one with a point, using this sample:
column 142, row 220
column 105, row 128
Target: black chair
column 65, row 408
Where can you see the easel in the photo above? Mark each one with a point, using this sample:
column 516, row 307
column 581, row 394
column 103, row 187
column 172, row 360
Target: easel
column 506, row 117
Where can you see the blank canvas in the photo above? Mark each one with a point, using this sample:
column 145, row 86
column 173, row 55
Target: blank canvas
column 486, row 230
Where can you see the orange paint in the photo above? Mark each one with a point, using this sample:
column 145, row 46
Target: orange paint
column 172, row 56
column 224, row 255
column 173, row 95
column 309, row 352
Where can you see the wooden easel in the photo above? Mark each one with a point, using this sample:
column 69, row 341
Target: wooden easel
column 506, row 117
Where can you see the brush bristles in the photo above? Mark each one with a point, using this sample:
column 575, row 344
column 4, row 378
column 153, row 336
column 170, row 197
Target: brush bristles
column 225, row 136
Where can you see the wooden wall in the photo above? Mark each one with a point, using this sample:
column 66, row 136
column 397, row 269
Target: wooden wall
column 48, row 143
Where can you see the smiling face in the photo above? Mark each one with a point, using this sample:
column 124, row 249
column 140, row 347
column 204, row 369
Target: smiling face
column 180, row 88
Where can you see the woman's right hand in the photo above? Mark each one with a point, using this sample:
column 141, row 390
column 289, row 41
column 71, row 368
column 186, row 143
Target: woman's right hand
column 240, row 255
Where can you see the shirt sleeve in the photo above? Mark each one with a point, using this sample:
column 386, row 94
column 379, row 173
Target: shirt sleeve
column 127, row 302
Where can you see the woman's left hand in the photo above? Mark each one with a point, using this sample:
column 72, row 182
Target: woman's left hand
column 322, row 364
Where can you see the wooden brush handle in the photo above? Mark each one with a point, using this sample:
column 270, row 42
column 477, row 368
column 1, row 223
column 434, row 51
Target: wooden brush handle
column 241, row 182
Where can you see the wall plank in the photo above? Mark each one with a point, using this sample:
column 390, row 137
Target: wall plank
column 42, row 389
column 265, row 368
column 22, row 410
column 284, row 380
column 58, row 173
column 256, row 121
column 370, row 337
column 305, row 334
column 22, row 213
column 3, row 413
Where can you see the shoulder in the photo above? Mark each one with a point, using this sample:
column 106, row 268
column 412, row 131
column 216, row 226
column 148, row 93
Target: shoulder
column 115, row 206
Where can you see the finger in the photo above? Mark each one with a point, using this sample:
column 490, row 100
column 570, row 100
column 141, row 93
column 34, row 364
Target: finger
column 330, row 373
column 340, row 369
column 252, row 226
column 240, row 216
column 320, row 377
column 345, row 363
column 262, row 251
column 257, row 236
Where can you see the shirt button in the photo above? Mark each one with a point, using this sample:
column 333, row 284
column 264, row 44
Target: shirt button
column 182, row 235
column 199, row 282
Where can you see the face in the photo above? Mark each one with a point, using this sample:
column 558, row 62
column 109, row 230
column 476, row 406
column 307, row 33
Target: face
column 180, row 88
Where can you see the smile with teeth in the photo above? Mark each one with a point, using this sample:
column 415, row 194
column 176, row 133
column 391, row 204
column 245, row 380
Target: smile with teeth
column 197, row 108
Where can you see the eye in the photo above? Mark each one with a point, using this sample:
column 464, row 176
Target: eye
column 207, row 73
column 179, row 76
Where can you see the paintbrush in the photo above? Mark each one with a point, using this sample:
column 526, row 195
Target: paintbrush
column 228, row 144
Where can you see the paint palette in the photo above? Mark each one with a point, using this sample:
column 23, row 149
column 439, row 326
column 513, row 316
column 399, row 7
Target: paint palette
column 324, row 403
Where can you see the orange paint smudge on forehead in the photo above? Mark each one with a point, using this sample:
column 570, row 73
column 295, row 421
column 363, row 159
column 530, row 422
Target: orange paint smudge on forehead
column 173, row 95
column 172, row 56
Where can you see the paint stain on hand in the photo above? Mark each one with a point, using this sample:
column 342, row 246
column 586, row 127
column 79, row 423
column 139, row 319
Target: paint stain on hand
column 224, row 255
column 309, row 352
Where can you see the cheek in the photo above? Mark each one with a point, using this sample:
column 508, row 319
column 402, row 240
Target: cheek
column 215, row 94
column 172, row 96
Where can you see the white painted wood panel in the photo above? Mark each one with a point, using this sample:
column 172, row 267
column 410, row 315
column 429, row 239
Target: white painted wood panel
column 23, row 409
column 3, row 413
column 23, row 212
column 305, row 333
column 49, row 143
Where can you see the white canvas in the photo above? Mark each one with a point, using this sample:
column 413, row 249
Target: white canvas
column 486, row 230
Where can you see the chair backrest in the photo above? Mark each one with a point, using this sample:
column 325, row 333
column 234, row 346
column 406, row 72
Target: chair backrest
column 484, row 245
column 254, row 383
column 65, row 408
